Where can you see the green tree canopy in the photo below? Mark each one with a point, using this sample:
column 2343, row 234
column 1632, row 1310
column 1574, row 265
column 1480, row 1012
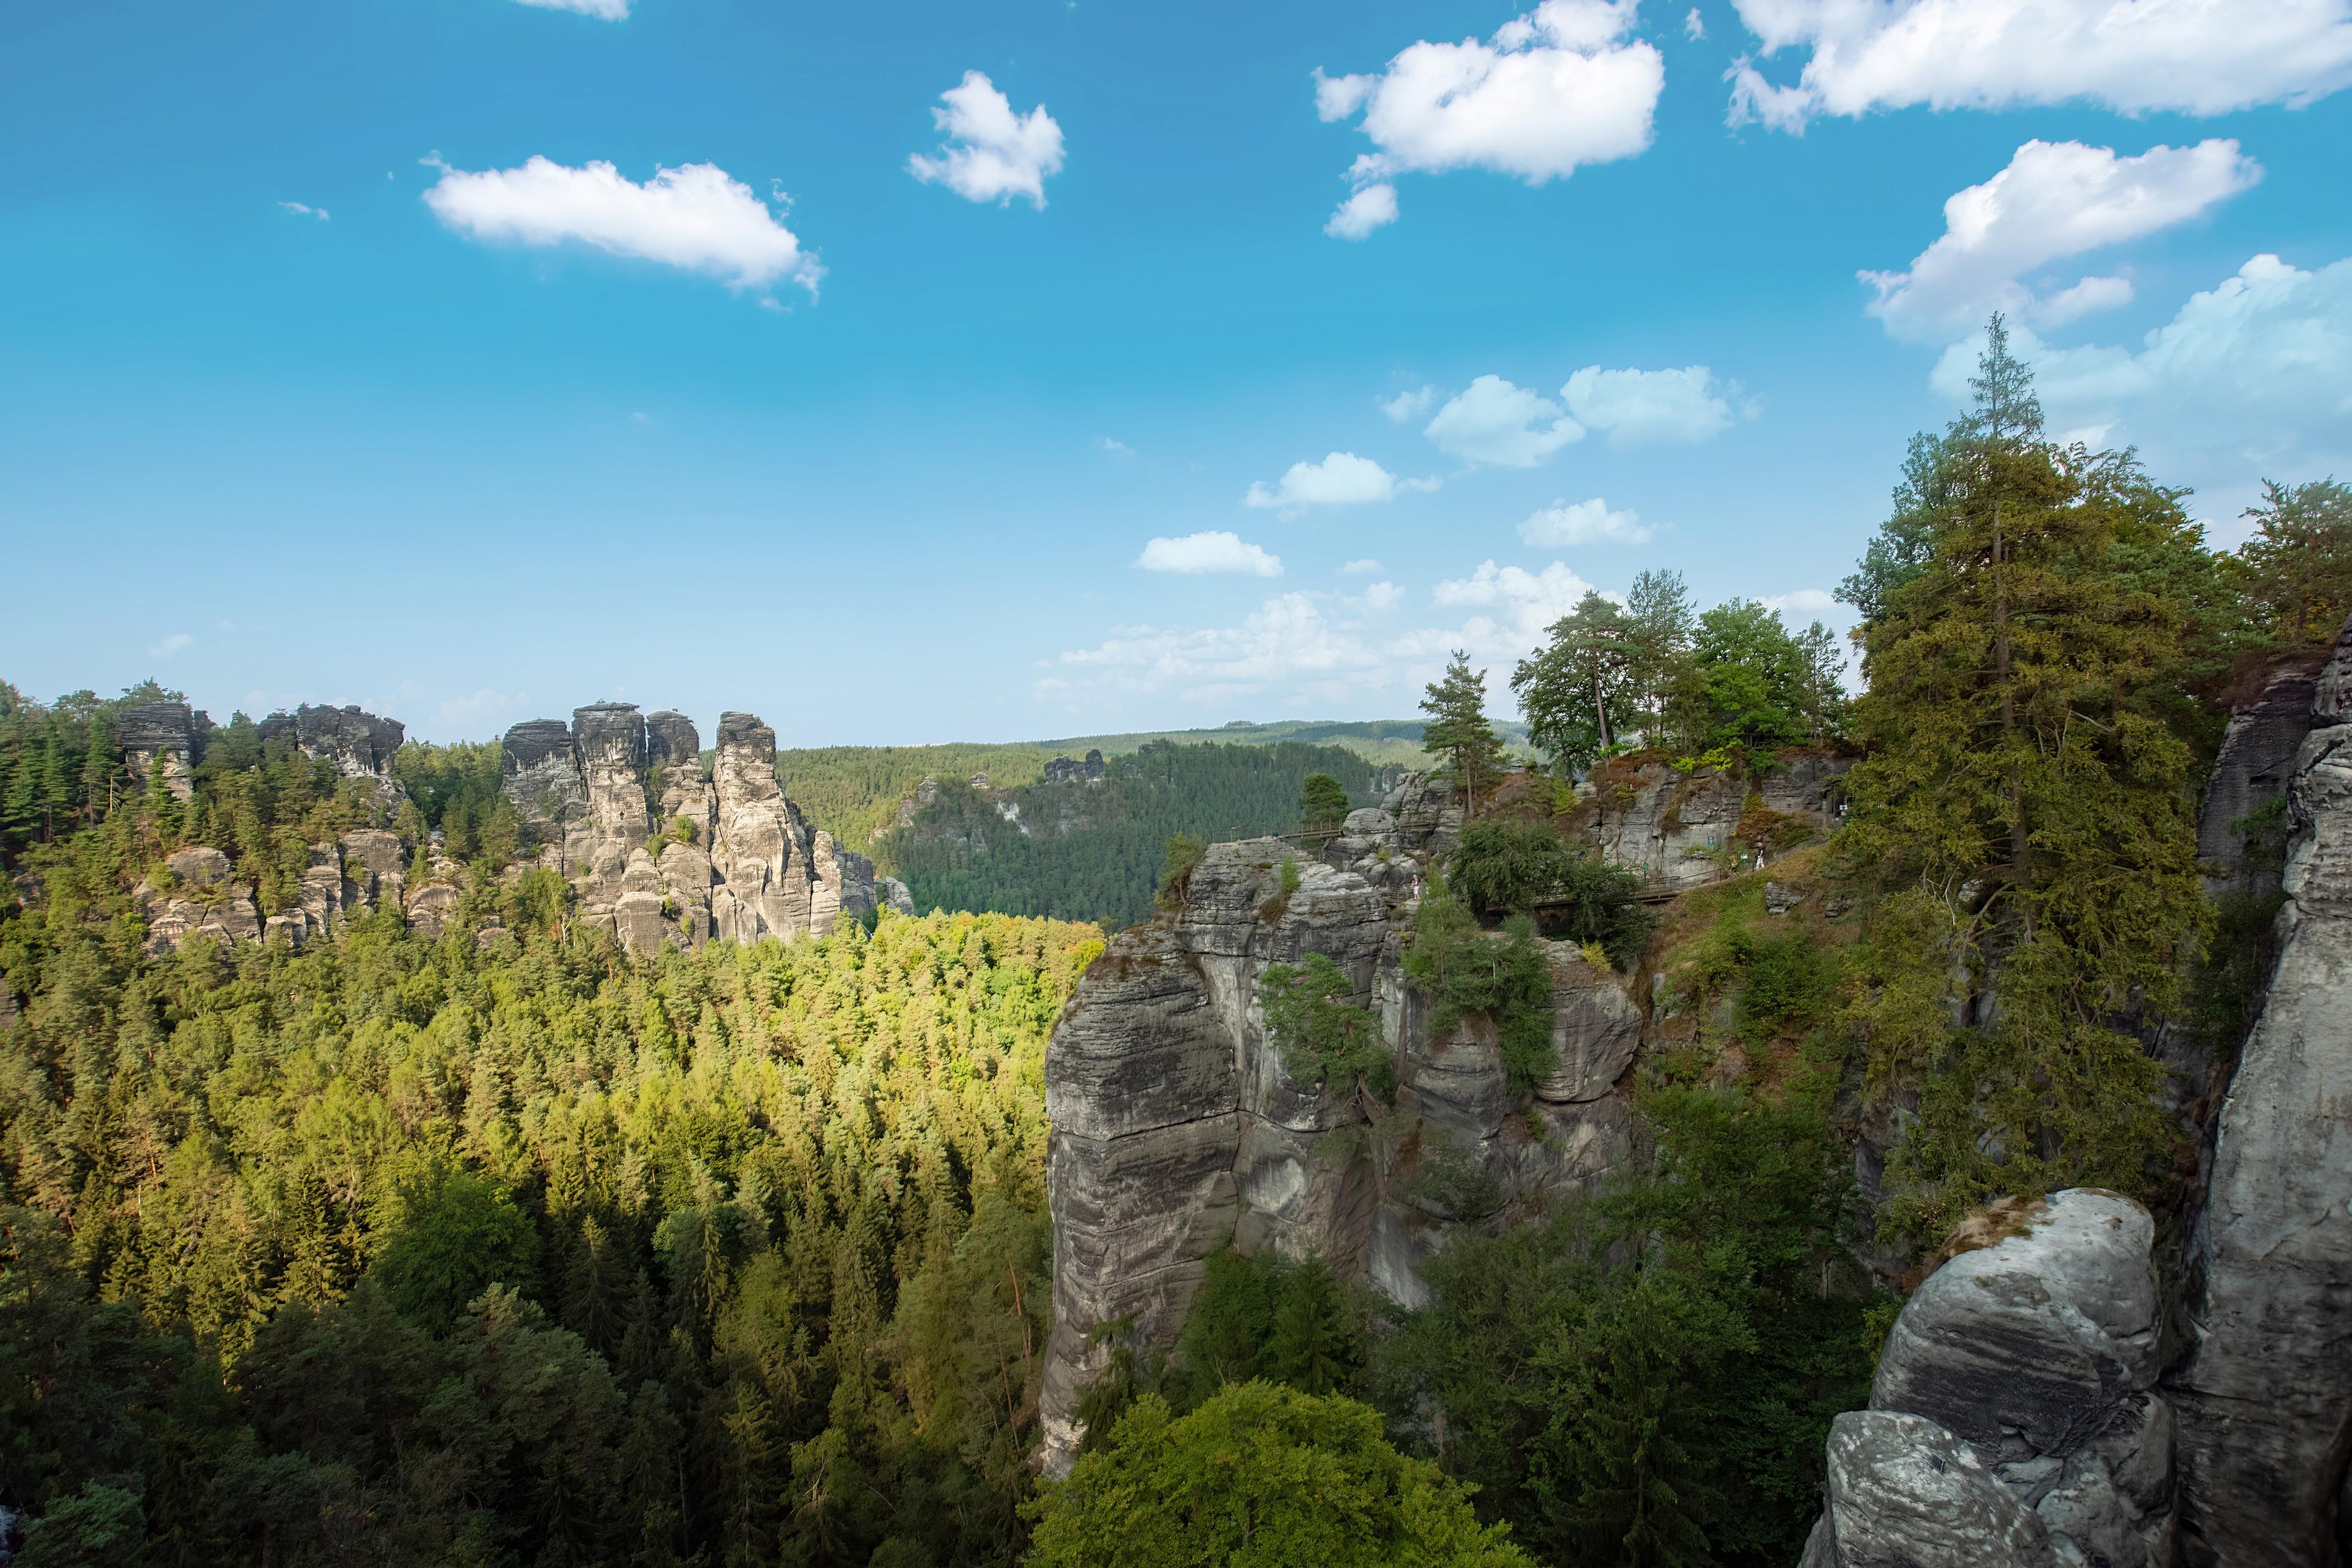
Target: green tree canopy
column 1322, row 802
column 1261, row 1476
column 2031, row 725
column 1579, row 691
column 1458, row 729
column 2298, row 566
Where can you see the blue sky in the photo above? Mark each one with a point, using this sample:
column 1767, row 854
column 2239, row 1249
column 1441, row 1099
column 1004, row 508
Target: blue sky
column 317, row 387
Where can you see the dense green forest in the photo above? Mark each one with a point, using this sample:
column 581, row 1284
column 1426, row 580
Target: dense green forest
column 852, row 792
column 1074, row 850
column 504, row 1250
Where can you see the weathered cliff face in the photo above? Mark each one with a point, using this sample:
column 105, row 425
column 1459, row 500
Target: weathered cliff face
column 616, row 802
column 2258, row 759
column 656, row 851
column 2265, row 1395
column 1680, row 829
column 195, row 891
column 1178, row 1128
column 2015, row 1422
column 163, row 737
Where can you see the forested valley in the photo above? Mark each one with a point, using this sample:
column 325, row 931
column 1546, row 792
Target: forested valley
column 506, row 1246
column 1090, row 843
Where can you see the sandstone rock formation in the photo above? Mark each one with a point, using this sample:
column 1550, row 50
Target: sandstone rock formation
column 165, row 738
column 1179, row 1129
column 2256, row 761
column 617, row 803
column 658, row 852
column 2015, row 1422
column 1680, row 829
column 2265, row 1397
column 361, row 746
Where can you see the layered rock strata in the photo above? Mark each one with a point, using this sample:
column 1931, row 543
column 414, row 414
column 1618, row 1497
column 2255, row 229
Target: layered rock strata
column 162, row 737
column 2266, row 1394
column 659, row 852
column 2015, row 1422
column 1179, row 1129
column 1680, row 830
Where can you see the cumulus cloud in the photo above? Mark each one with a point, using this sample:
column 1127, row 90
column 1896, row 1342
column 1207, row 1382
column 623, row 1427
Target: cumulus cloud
column 1641, row 408
column 301, row 210
column 2197, row 56
column 1557, row 88
column 991, row 153
column 1512, row 606
column 1202, row 554
column 603, row 10
column 1693, row 26
column 1117, row 449
column 1342, row 479
column 1494, row 422
column 1371, row 207
column 1807, row 603
column 1406, row 406
column 694, row 217
column 1322, row 649
column 170, row 646
column 1366, row 566
column 2250, row 378
column 2054, row 200
column 1562, row 525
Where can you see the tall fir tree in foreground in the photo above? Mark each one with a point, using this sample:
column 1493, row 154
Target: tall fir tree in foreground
column 1458, row 729
column 2037, row 618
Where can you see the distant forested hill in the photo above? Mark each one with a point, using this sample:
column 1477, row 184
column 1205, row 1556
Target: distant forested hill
column 853, row 792
column 1080, row 850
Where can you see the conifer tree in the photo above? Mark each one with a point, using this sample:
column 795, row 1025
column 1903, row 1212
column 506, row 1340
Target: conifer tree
column 2298, row 566
column 1458, row 728
column 2025, row 678
column 1579, row 691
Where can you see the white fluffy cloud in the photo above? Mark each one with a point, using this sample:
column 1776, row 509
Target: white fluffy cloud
column 1323, row 649
column 1200, row 554
column 1492, row 421
column 694, row 217
column 172, row 647
column 991, row 154
column 2054, row 200
column 1371, row 207
column 1342, row 479
column 1407, row 405
column 1363, row 566
column 301, row 209
column 2249, row 379
column 1557, row 88
column 1512, row 607
column 1562, row 525
column 2197, row 57
column 1643, row 407
column 603, row 10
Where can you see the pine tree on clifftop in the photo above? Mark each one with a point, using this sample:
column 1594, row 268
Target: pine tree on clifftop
column 2029, row 654
column 1458, row 729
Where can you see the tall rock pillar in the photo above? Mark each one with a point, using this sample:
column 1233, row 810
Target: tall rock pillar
column 2265, row 1400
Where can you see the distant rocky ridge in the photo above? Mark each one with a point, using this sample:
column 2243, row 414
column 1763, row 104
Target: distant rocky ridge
column 616, row 802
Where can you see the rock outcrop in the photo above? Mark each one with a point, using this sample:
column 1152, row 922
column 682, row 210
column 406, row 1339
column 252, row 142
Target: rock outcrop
column 1679, row 830
column 2015, row 1422
column 2265, row 1395
column 1178, row 1128
column 162, row 737
column 658, row 852
column 618, row 803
